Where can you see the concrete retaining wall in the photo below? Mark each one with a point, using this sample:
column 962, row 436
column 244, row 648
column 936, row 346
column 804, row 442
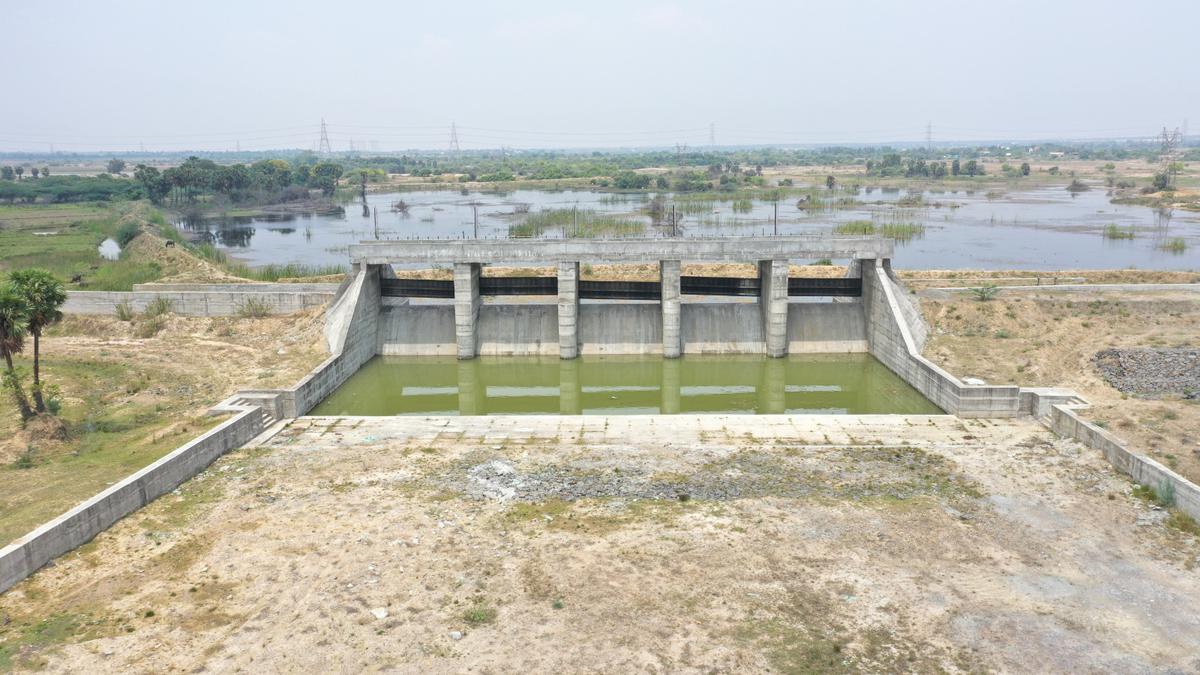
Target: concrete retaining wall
column 722, row 328
column 620, row 328
column 826, row 327
column 405, row 329
column 891, row 341
column 196, row 303
column 1065, row 422
column 79, row 525
column 518, row 330
column 248, row 287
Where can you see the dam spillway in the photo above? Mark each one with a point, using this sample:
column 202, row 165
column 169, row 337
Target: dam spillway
column 565, row 315
column 771, row 315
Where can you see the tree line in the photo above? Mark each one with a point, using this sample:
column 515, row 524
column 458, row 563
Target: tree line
column 265, row 180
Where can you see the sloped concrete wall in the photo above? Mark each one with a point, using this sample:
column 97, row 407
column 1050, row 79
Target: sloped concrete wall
column 890, row 340
column 79, row 525
column 351, row 328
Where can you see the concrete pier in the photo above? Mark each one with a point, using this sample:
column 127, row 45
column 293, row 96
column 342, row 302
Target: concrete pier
column 672, row 343
column 466, row 308
column 660, row 322
column 568, row 309
column 773, row 302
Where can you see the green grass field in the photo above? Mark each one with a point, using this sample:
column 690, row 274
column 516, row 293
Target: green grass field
column 112, row 432
column 64, row 239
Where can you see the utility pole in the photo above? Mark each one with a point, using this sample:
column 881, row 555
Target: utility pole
column 475, row 211
column 453, row 137
column 323, row 146
column 776, row 203
column 674, row 224
column 376, row 210
column 575, row 220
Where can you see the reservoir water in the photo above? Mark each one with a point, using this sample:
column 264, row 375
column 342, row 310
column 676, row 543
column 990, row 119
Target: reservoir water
column 1045, row 228
column 624, row 385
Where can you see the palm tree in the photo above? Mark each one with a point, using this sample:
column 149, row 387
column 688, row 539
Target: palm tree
column 43, row 295
column 13, row 319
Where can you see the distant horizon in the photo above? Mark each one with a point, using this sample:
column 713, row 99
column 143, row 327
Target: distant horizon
column 1148, row 140
column 115, row 77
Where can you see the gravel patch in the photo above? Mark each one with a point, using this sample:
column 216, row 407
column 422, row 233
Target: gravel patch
column 858, row 473
column 1151, row 373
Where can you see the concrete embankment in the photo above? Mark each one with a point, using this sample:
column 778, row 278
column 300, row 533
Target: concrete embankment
column 79, row 525
column 204, row 299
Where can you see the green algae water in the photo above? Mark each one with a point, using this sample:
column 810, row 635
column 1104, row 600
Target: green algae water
column 852, row 384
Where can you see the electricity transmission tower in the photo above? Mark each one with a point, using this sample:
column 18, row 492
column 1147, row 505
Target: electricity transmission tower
column 929, row 135
column 1172, row 152
column 323, row 147
column 453, row 137
column 712, row 134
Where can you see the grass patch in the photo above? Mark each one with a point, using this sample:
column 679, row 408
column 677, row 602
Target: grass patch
column 576, row 222
column 275, row 272
column 111, row 434
column 855, row 227
column 159, row 306
column 480, row 614
column 1174, row 245
column 902, row 231
column 1111, row 231
column 253, row 308
column 985, row 293
column 124, row 311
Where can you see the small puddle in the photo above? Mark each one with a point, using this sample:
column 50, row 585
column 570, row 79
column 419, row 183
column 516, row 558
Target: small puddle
column 109, row 249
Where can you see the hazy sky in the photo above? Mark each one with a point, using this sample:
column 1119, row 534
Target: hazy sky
column 389, row 75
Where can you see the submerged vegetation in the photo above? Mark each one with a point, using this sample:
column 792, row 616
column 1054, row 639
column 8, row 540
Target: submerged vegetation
column 900, row 231
column 1111, row 231
column 1174, row 245
column 575, row 222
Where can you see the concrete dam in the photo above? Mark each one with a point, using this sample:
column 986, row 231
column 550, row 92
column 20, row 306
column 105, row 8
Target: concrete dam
column 770, row 315
column 565, row 316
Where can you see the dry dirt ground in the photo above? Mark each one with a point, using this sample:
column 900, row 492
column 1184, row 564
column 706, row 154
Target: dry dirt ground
column 130, row 397
column 695, row 544
column 1049, row 339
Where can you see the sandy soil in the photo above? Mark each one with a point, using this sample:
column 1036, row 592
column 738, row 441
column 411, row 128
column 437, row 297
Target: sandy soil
column 829, row 545
column 1049, row 339
column 191, row 364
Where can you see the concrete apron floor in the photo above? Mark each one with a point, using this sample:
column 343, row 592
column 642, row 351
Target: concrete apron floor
column 658, row 429
column 884, row 543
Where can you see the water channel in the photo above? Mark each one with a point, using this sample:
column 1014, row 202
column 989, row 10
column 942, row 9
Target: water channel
column 625, row 385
